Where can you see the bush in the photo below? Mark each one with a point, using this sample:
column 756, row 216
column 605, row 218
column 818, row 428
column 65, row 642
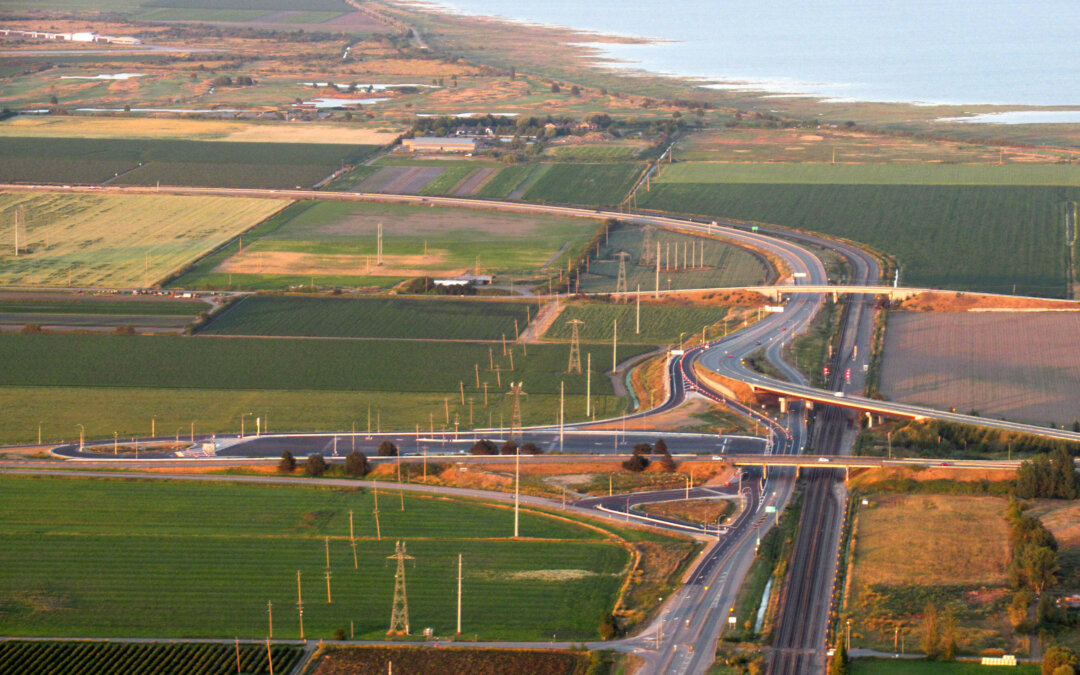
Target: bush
column 356, row 464
column 387, row 449
column 509, row 447
column 636, row 463
column 532, row 449
column 315, row 465
column 287, row 463
column 609, row 627
column 483, row 447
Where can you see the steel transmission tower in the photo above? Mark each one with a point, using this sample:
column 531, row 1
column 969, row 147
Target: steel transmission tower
column 575, row 346
column 399, row 618
column 515, row 395
column 620, row 283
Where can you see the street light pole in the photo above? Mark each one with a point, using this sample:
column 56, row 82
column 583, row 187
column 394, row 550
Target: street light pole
column 82, row 435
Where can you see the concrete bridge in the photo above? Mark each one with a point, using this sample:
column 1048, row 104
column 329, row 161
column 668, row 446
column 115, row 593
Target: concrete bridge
column 800, row 462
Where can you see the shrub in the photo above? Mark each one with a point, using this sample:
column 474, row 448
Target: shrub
column 356, row 464
column 387, row 449
column 287, row 463
column 315, row 465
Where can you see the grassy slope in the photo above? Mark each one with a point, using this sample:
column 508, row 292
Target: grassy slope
column 660, row 324
column 214, row 555
column 590, row 184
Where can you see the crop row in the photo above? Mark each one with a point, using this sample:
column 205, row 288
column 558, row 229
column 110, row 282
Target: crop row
column 132, row 658
column 590, row 184
column 986, row 238
column 290, row 364
column 659, row 324
column 164, row 560
column 372, row 317
column 177, row 162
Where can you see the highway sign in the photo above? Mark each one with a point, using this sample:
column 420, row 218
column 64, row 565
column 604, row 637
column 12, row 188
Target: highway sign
column 770, row 509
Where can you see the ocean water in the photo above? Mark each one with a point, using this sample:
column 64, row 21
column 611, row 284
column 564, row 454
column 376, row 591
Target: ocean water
column 1008, row 52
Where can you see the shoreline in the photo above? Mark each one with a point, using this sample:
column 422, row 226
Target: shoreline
column 598, row 51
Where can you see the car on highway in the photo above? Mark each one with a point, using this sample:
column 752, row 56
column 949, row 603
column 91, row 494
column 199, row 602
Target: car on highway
column 823, row 459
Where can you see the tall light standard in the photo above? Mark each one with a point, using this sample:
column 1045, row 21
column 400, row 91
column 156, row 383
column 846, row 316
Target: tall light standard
column 242, row 423
column 153, row 426
column 82, row 434
column 39, row 433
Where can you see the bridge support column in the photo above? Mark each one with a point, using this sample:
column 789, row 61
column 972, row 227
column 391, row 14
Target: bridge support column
column 835, row 296
column 783, row 405
column 869, row 420
column 765, row 473
column 798, row 472
column 847, row 473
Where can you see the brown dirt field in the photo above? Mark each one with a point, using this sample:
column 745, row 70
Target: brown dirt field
column 475, row 181
column 864, row 477
column 285, row 262
column 931, row 540
column 1021, row 366
column 969, row 302
column 694, row 510
column 422, row 221
column 407, row 179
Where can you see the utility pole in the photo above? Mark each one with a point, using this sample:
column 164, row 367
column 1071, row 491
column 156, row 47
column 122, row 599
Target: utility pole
column 300, row 604
column 328, row 599
column 378, row 247
column 270, row 616
column 620, row 282
column 637, row 312
column 517, row 487
column 614, row 345
column 656, row 293
column 378, row 530
column 399, row 616
column 352, row 542
column 459, row 594
column 562, row 412
column 588, row 385
column 575, row 346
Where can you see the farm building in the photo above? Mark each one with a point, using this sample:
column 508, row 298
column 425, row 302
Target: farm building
column 466, row 280
column 435, row 144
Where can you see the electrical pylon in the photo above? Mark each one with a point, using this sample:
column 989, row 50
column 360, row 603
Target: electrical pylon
column 620, row 283
column 575, row 346
column 399, row 618
column 515, row 395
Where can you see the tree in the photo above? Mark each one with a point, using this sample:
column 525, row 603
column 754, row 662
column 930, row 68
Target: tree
column 1040, row 565
column 387, row 449
column 636, row 463
column 356, row 464
column 531, row 448
column 948, row 640
column 287, row 463
column 609, row 627
column 315, row 465
column 838, row 661
column 53, row 100
column 660, row 446
column 1018, row 609
column 931, row 638
column 555, row 88
column 642, row 449
column 509, row 447
column 483, row 447
column 575, row 90
column 1057, row 656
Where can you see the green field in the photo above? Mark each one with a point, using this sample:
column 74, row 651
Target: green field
column 334, row 243
column 446, row 181
column 588, row 184
column 435, row 318
column 872, row 174
column 84, row 658
column 984, row 238
column 503, row 183
column 660, row 324
column 68, row 304
column 265, row 5
column 596, row 153
column 134, row 411
column 171, row 559
column 172, row 162
column 285, row 364
column 725, row 264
